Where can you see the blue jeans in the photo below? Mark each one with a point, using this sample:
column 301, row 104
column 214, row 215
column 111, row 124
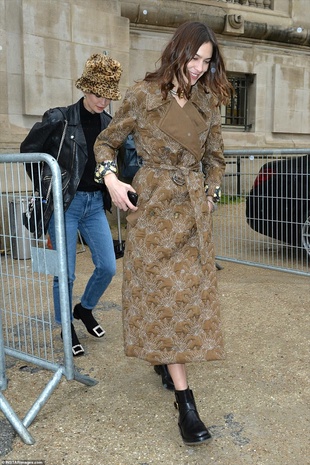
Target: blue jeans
column 87, row 215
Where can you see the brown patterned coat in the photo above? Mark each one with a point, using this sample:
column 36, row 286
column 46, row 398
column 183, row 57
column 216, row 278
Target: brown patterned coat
column 170, row 302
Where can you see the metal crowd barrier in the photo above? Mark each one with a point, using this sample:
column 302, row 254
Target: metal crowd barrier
column 268, row 226
column 27, row 266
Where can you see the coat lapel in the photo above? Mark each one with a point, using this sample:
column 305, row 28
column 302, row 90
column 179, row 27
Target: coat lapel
column 184, row 126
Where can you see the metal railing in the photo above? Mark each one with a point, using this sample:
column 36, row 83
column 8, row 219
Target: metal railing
column 27, row 267
column 244, row 225
column 266, row 226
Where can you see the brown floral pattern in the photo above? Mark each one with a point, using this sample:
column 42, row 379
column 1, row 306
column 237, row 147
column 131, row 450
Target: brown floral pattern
column 170, row 301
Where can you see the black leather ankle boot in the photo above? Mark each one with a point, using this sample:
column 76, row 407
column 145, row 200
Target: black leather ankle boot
column 192, row 429
column 162, row 370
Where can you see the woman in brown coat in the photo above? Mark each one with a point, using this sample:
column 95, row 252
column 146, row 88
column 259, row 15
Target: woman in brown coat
column 170, row 303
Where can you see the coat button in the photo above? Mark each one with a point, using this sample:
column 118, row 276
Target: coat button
column 176, row 215
column 152, row 213
column 72, row 137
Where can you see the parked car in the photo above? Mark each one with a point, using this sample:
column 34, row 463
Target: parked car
column 278, row 204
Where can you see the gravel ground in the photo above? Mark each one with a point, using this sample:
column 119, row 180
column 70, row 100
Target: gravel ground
column 255, row 402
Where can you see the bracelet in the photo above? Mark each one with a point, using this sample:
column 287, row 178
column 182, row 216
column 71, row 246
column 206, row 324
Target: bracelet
column 104, row 168
column 216, row 194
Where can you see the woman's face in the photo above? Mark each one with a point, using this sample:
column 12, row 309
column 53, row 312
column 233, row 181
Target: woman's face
column 199, row 64
column 95, row 104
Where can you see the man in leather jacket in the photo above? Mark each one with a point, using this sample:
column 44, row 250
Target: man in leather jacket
column 84, row 200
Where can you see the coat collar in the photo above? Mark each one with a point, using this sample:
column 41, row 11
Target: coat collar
column 199, row 97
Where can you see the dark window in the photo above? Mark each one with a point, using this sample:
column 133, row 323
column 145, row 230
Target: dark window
column 237, row 111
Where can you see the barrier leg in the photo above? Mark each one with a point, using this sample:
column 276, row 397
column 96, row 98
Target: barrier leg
column 15, row 421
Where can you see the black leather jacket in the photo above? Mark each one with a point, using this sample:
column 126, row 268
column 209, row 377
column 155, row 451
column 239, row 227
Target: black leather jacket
column 45, row 137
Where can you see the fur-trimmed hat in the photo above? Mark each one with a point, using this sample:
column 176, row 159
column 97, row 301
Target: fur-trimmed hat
column 101, row 76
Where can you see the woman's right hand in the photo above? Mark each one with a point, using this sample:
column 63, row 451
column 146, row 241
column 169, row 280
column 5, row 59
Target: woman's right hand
column 118, row 191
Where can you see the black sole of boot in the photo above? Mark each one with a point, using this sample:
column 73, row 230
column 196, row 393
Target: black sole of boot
column 197, row 443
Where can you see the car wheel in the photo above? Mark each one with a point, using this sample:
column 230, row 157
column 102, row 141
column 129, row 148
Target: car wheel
column 306, row 235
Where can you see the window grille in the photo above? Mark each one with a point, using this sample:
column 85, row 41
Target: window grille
column 236, row 112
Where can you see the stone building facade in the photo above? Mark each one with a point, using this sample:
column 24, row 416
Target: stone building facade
column 44, row 44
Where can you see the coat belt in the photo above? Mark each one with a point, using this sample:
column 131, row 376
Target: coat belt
column 181, row 176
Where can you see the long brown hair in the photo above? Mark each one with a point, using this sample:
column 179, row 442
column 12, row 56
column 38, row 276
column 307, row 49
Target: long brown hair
column 182, row 48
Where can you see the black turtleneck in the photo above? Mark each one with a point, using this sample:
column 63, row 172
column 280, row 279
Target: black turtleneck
column 91, row 125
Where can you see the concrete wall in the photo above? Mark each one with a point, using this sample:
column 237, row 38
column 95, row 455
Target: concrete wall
column 44, row 45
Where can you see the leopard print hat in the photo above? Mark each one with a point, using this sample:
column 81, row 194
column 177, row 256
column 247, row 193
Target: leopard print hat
column 101, row 76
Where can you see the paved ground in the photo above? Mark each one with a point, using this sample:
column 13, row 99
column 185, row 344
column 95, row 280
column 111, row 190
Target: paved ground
column 256, row 402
